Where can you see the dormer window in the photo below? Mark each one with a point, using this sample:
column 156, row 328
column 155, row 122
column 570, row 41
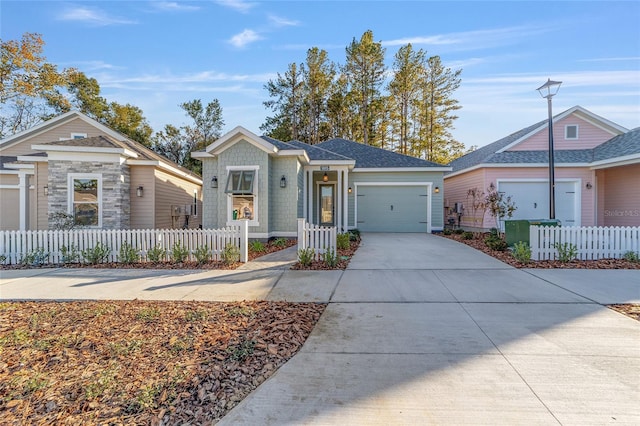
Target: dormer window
column 571, row 132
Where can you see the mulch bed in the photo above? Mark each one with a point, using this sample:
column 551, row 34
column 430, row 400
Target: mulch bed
column 344, row 257
column 141, row 362
column 269, row 247
column 506, row 257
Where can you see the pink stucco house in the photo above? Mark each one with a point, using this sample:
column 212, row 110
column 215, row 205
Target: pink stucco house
column 597, row 173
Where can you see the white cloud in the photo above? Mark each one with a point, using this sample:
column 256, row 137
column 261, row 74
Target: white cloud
column 279, row 21
column 472, row 40
column 238, row 5
column 92, row 16
column 172, row 6
column 245, row 37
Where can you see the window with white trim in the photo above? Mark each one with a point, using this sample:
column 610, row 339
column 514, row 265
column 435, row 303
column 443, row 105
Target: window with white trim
column 243, row 201
column 85, row 199
column 75, row 136
column 571, row 131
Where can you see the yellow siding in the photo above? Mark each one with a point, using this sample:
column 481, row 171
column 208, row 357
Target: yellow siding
column 170, row 190
column 142, row 208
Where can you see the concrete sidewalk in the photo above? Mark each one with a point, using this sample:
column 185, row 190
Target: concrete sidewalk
column 419, row 330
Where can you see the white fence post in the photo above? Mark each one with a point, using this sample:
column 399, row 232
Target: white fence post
column 244, row 241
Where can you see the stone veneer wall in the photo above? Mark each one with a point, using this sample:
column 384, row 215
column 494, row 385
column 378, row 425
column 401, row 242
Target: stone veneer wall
column 115, row 189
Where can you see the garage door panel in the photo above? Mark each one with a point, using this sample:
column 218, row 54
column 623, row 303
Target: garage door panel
column 392, row 208
column 532, row 200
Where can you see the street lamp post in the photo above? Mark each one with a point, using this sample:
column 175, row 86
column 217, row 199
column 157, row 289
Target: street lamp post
column 548, row 91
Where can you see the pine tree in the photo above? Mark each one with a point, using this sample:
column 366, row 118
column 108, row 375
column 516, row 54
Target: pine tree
column 318, row 78
column 364, row 69
column 287, row 91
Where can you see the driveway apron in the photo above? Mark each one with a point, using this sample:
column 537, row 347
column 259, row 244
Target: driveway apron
column 424, row 330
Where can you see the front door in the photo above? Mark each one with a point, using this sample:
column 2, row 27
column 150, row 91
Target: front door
column 327, row 205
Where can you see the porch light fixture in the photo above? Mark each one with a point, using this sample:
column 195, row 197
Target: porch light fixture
column 325, row 177
column 140, row 191
column 350, row 190
column 589, row 186
column 548, row 91
column 437, row 190
column 214, row 182
column 283, row 181
column 46, row 190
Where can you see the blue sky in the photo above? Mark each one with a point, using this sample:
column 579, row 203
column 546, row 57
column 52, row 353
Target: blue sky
column 157, row 54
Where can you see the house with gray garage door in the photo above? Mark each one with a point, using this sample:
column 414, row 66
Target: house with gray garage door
column 338, row 183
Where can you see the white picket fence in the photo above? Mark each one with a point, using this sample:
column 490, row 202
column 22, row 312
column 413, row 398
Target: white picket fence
column 16, row 245
column 320, row 238
column 591, row 242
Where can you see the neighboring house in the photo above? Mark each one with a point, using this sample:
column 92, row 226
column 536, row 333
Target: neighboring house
column 74, row 165
column 335, row 183
column 597, row 173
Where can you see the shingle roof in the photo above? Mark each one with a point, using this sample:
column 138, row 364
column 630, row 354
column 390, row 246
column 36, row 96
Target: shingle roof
column 109, row 142
column 367, row 156
column 618, row 146
column 6, row 159
column 483, row 154
column 319, row 153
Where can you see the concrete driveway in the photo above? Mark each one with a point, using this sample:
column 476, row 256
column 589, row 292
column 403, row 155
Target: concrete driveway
column 419, row 330
column 423, row 330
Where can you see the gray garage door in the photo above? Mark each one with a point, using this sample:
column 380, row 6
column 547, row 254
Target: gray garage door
column 392, row 208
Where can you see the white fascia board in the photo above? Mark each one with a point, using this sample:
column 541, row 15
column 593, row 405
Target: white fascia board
column 167, row 167
column 463, row 171
column 32, row 158
column 8, row 172
column 201, row 154
column 21, row 166
column 332, row 162
column 402, row 169
column 235, row 135
column 614, row 162
column 85, row 150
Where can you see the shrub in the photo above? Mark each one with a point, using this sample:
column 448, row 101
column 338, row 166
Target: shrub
column 495, row 243
column 70, row 254
column 202, row 254
column 36, row 257
column 3, row 258
column 128, row 254
column 96, row 255
column 156, row 254
column 522, row 252
column 631, row 256
column 342, row 241
column 179, row 253
column 257, row 246
column 458, row 231
column 354, row 234
column 447, row 231
column 230, row 254
column 305, row 256
column 467, row 235
column 566, row 251
column 330, row 258
column 280, row 242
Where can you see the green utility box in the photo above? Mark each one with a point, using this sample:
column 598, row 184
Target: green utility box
column 518, row 230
